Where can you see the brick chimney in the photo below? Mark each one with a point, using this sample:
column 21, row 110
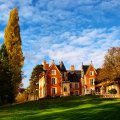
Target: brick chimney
column 45, row 65
column 72, row 67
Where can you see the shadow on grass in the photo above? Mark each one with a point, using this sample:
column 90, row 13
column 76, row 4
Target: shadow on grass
column 103, row 112
column 68, row 108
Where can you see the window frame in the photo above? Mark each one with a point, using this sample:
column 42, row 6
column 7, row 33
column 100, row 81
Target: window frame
column 55, row 80
column 91, row 73
column 55, row 90
column 76, row 91
column 53, row 72
column 77, row 85
column 92, row 80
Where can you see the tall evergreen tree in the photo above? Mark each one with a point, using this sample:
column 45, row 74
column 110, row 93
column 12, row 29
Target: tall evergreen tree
column 6, row 88
column 13, row 45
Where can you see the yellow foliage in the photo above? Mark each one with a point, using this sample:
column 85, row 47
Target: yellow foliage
column 13, row 40
column 22, row 97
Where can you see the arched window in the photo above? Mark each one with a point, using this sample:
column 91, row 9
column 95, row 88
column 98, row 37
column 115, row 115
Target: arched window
column 65, row 89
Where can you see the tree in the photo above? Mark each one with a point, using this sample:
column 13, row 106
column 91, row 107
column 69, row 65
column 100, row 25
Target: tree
column 6, row 89
column 13, row 45
column 111, row 67
column 97, row 81
column 35, row 78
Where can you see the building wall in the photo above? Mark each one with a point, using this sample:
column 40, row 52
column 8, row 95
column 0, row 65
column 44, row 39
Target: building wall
column 80, row 88
column 88, row 87
column 67, row 92
column 49, row 84
column 84, row 86
column 42, row 87
column 73, row 89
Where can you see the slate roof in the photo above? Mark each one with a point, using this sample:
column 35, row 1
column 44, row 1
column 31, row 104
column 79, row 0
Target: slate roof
column 61, row 67
column 85, row 68
column 74, row 75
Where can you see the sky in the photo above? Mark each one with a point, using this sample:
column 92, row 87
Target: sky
column 73, row 31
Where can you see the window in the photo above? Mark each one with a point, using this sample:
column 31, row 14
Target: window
column 91, row 81
column 76, row 93
column 53, row 91
column 91, row 73
column 53, row 80
column 76, row 85
column 53, row 72
column 65, row 89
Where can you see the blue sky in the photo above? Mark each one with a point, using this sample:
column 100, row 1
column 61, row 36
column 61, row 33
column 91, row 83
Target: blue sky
column 74, row 31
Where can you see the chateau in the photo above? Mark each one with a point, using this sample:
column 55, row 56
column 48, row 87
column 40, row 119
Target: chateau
column 56, row 80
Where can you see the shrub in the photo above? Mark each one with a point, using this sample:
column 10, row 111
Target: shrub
column 22, row 97
column 112, row 91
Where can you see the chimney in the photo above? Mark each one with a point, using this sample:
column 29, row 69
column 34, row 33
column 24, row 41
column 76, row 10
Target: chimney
column 44, row 65
column 72, row 67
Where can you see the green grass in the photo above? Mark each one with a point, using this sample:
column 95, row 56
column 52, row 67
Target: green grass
column 65, row 108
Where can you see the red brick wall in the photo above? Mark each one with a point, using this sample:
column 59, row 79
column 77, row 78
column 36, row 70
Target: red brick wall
column 50, row 85
column 88, row 76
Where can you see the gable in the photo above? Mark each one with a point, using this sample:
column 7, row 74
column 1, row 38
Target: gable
column 53, row 67
column 91, row 68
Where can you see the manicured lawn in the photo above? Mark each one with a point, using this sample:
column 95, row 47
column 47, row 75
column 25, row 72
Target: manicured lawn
column 67, row 108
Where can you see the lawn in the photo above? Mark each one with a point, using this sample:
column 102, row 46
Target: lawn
column 65, row 108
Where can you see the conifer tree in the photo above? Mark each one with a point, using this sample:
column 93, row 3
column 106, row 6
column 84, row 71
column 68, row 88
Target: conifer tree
column 13, row 45
column 6, row 88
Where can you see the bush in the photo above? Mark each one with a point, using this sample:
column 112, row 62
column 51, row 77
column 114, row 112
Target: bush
column 22, row 97
column 112, row 91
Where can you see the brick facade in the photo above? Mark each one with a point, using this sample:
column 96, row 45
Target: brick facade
column 57, row 81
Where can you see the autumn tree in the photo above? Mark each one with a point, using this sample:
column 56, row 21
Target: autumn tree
column 35, row 77
column 111, row 67
column 13, row 45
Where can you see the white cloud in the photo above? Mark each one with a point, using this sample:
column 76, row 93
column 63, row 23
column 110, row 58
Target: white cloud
column 55, row 30
column 99, row 41
column 108, row 5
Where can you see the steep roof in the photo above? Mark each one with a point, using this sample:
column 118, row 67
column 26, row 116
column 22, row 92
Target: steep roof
column 74, row 75
column 61, row 67
column 85, row 68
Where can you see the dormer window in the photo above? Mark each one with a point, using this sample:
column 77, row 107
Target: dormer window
column 53, row 72
column 91, row 73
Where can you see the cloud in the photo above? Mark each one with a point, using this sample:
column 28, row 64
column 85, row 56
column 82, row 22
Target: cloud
column 74, row 31
column 108, row 5
column 69, row 46
column 91, row 44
